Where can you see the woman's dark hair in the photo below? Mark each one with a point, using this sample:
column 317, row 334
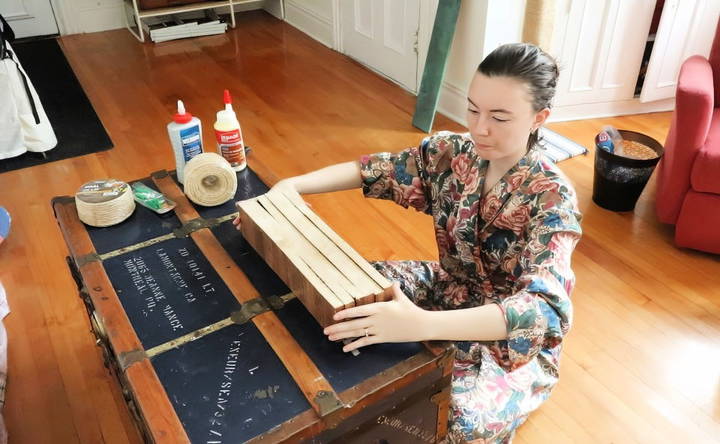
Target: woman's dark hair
column 530, row 65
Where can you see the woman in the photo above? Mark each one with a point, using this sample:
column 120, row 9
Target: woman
column 506, row 222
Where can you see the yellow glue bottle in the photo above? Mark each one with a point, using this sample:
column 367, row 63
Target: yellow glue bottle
column 229, row 136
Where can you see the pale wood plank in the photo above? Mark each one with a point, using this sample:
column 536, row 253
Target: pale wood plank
column 362, row 285
column 379, row 279
column 295, row 273
column 307, row 253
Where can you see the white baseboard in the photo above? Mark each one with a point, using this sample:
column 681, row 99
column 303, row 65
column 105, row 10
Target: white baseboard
column 310, row 22
column 609, row 109
column 453, row 104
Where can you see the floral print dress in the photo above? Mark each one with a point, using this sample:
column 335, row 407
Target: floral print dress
column 511, row 248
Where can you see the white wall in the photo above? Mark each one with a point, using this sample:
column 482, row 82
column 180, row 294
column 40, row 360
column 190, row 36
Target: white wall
column 313, row 17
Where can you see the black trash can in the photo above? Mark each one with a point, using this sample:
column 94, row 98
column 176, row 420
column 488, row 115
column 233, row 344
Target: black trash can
column 619, row 181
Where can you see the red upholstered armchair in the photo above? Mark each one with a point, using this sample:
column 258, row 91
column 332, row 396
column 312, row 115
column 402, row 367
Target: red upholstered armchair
column 688, row 193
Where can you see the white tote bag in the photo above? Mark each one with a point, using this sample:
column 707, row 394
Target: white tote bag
column 24, row 126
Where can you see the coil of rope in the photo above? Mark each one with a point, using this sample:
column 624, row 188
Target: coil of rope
column 209, row 180
column 102, row 203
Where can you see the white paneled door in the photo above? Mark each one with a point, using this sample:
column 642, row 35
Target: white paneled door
column 686, row 28
column 29, row 18
column 382, row 34
column 601, row 49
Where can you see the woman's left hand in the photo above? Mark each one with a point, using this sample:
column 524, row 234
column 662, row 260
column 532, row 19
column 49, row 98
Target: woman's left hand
column 398, row 320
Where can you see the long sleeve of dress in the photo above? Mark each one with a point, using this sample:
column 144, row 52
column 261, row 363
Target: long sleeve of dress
column 400, row 177
column 539, row 312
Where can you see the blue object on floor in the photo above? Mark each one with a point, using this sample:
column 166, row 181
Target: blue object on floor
column 4, row 224
column 559, row 147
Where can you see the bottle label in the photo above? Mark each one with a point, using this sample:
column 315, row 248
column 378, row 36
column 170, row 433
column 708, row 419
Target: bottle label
column 191, row 142
column 230, row 145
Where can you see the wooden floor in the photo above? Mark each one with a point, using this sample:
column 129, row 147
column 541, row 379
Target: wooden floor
column 641, row 364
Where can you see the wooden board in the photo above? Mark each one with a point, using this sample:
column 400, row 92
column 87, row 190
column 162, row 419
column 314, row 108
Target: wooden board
column 325, row 272
column 382, row 282
column 293, row 271
column 345, row 266
column 437, row 57
column 306, row 252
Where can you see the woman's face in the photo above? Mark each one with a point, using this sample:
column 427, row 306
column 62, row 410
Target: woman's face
column 500, row 116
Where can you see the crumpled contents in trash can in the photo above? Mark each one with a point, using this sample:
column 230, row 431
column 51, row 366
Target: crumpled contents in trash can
column 612, row 141
column 637, row 150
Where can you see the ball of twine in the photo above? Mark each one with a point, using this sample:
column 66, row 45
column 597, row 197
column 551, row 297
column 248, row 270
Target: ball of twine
column 209, row 180
column 102, row 203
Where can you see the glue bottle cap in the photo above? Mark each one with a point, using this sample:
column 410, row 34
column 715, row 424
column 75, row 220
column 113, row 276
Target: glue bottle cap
column 227, row 100
column 227, row 114
column 182, row 116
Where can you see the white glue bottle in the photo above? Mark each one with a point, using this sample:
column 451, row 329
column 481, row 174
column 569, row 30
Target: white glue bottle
column 229, row 136
column 185, row 133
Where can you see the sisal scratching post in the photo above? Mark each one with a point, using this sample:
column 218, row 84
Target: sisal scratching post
column 539, row 22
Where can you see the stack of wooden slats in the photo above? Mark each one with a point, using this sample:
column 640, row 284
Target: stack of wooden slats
column 324, row 272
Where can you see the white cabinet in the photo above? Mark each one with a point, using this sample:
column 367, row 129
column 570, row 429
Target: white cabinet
column 686, row 28
column 601, row 49
column 600, row 44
